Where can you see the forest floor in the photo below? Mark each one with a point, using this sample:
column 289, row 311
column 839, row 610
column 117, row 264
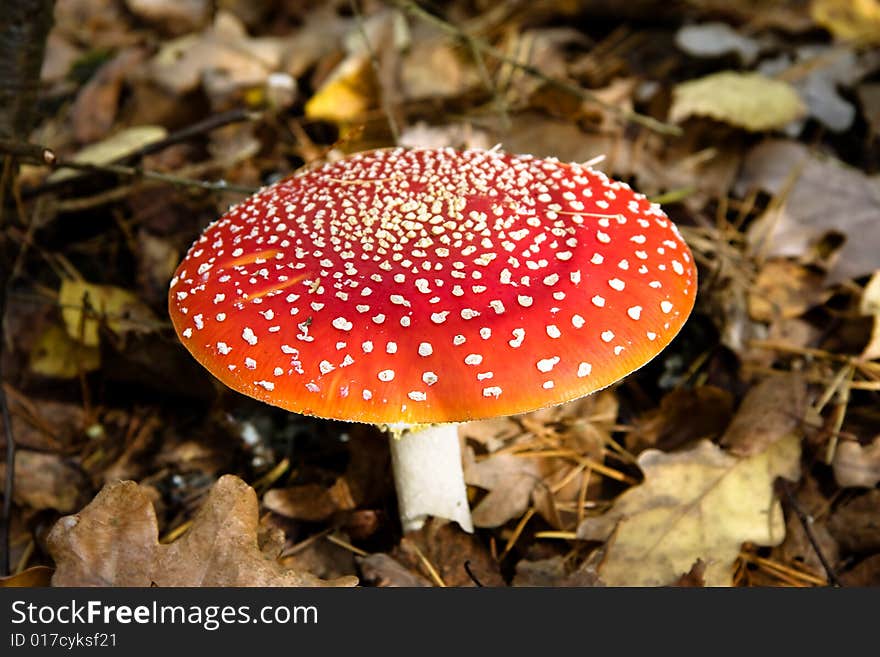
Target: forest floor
column 754, row 124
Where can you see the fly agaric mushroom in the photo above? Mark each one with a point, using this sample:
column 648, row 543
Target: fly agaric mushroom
column 419, row 288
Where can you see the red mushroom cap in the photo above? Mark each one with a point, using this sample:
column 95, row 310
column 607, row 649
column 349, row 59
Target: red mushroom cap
column 433, row 286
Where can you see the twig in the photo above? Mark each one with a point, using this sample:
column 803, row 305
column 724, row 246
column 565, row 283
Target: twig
column 36, row 154
column 31, row 152
column 198, row 128
column 377, row 71
column 432, row 572
column 517, row 532
column 346, row 545
column 467, row 569
column 491, row 87
column 575, row 90
column 807, row 523
column 146, row 174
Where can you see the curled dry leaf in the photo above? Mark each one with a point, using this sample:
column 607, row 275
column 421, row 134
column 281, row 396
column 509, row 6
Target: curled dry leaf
column 510, row 481
column 697, row 504
column 114, row 542
column 770, row 411
column 857, row 466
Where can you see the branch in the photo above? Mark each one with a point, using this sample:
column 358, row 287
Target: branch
column 569, row 87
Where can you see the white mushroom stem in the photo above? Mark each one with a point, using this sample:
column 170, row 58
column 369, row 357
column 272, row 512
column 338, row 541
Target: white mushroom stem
column 428, row 475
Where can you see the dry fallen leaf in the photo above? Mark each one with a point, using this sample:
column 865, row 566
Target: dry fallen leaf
column 174, row 16
column 448, row 549
column 114, row 542
column 555, row 571
column 510, row 481
column 716, row 39
column 869, row 96
column 857, row 466
column 46, row 481
column 382, row 570
column 770, row 411
column 42, row 424
column 784, row 289
column 435, row 68
column 94, row 111
column 363, row 483
column 854, row 523
column 744, row 100
column 820, row 195
column 697, row 504
column 694, row 577
column 311, row 502
column 347, row 93
column 223, row 59
column 33, row 576
column 820, row 73
column 684, row 415
column 865, row 573
column 120, row 309
column 850, row 20
column 55, row 354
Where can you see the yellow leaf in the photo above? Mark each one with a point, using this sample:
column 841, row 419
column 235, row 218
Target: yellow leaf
column 56, row 354
column 125, row 142
column 346, row 94
column 120, row 309
column 697, row 504
column 744, row 100
column 849, row 20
